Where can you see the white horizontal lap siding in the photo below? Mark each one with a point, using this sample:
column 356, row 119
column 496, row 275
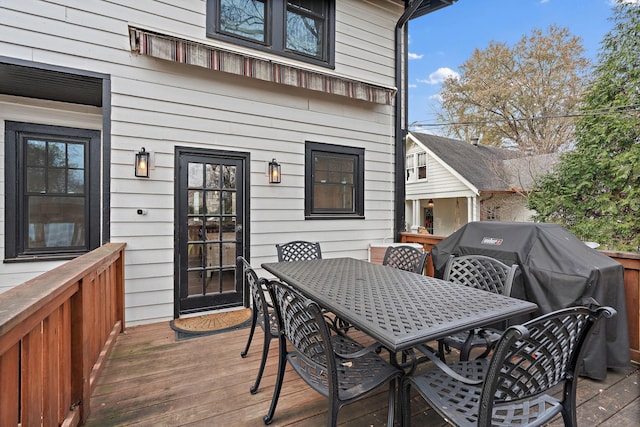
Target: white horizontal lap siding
column 159, row 105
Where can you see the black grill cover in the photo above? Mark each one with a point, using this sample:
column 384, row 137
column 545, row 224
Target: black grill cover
column 557, row 270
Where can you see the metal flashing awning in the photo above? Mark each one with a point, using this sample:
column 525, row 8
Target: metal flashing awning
column 214, row 58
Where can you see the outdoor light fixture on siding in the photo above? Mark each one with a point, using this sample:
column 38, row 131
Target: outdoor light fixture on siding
column 274, row 172
column 142, row 164
column 430, row 203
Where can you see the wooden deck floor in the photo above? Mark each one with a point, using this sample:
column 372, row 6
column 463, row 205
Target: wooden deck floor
column 150, row 379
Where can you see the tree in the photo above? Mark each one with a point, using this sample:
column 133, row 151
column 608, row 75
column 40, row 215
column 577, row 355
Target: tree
column 595, row 189
column 518, row 97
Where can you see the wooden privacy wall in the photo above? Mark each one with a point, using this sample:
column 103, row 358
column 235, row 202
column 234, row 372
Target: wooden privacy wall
column 55, row 332
column 629, row 260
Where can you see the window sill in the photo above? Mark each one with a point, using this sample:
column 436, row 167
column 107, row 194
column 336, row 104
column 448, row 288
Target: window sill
column 38, row 258
column 333, row 216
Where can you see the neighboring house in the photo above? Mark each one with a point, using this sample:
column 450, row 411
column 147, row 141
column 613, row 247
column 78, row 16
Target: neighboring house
column 213, row 91
column 450, row 183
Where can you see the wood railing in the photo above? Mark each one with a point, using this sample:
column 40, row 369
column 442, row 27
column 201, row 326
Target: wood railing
column 55, row 332
column 629, row 260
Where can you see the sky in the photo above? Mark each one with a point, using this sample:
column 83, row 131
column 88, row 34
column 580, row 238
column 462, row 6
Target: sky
column 440, row 42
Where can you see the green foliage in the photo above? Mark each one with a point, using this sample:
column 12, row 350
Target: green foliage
column 595, row 189
column 518, row 96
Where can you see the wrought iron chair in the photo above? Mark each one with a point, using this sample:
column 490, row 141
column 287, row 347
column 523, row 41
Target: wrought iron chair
column 262, row 314
column 332, row 364
column 480, row 272
column 512, row 387
column 298, row 250
column 405, row 258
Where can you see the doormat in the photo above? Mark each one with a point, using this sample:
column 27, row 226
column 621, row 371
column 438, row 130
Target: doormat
column 209, row 324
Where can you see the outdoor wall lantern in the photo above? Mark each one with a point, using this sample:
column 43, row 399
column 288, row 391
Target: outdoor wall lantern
column 142, row 163
column 274, row 172
column 430, row 203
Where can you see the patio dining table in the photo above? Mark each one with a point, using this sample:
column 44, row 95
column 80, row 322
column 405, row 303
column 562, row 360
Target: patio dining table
column 397, row 308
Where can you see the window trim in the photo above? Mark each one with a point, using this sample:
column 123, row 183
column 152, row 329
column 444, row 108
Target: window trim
column 14, row 202
column 275, row 32
column 358, row 154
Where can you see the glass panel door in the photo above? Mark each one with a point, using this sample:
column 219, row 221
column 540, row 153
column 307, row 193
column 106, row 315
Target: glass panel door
column 210, row 231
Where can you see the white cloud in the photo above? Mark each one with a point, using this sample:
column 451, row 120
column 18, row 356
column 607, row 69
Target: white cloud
column 414, row 56
column 439, row 76
column 412, row 86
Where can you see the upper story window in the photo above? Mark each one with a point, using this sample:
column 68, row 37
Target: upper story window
column 416, row 166
column 54, row 208
column 300, row 29
column 334, row 181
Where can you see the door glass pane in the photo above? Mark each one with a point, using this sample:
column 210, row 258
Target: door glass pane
column 195, row 255
column 213, row 255
column 213, row 202
column 213, row 229
column 213, row 176
column 195, row 175
column 244, row 18
column 194, row 228
column 228, row 203
column 229, row 177
column 195, row 202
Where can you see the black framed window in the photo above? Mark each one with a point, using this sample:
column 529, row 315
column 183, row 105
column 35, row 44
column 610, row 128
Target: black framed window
column 334, row 181
column 54, row 208
column 300, row 29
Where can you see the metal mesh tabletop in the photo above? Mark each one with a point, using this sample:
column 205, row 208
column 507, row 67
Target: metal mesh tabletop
column 398, row 308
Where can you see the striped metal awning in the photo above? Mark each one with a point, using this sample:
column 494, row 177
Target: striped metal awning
column 214, row 58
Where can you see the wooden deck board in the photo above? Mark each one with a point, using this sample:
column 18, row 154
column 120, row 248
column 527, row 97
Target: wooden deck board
column 150, row 379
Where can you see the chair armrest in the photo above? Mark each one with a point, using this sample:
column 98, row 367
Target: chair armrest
column 356, row 354
column 433, row 357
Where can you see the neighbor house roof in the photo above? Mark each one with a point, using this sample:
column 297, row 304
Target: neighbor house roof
column 487, row 168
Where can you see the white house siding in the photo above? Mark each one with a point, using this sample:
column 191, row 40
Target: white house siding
column 159, row 105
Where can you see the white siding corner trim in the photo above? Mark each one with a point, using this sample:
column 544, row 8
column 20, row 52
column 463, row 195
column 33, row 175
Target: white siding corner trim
column 184, row 51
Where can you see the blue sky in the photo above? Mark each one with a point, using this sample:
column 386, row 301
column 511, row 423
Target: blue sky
column 440, row 42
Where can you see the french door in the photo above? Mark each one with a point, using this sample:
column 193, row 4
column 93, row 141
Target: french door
column 210, row 219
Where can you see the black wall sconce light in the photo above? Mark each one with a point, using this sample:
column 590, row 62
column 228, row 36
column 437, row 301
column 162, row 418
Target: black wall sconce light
column 430, row 203
column 274, row 172
column 142, row 163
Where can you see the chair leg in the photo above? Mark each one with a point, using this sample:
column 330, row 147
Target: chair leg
column 465, row 350
column 441, row 350
column 263, row 362
column 282, row 361
column 254, row 317
column 392, row 402
column 405, row 403
column 569, row 415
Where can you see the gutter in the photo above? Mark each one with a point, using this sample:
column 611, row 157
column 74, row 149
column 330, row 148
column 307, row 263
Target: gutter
column 402, row 39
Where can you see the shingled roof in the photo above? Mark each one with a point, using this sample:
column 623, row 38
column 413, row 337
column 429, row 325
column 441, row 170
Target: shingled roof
column 487, row 168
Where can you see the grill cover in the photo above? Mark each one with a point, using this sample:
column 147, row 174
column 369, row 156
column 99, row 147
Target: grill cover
column 557, row 270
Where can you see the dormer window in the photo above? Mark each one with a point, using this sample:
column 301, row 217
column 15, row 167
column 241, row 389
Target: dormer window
column 299, row 29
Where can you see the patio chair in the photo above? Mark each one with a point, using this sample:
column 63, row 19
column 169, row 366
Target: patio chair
column 262, row 313
column 512, row 387
column 480, row 272
column 405, row 258
column 298, row 250
column 331, row 363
